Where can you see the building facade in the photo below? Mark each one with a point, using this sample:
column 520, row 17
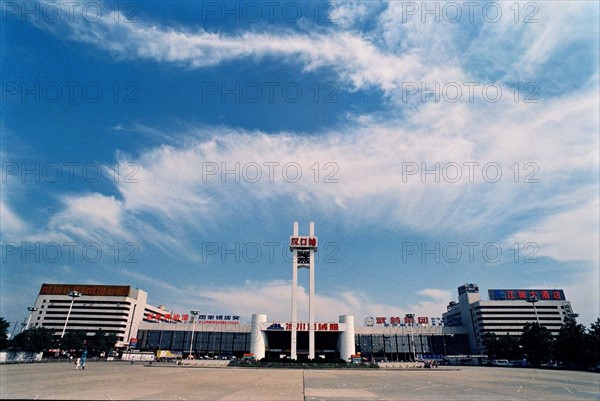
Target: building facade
column 117, row 309
column 506, row 312
column 124, row 311
column 333, row 340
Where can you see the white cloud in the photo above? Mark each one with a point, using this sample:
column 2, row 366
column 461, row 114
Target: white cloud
column 436, row 294
column 175, row 194
column 570, row 235
column 11, row 223
column 350, row 55
column 273, row 298
column 584, row 296
column 92, row 217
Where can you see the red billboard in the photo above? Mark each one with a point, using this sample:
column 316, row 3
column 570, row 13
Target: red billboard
column 93, row 290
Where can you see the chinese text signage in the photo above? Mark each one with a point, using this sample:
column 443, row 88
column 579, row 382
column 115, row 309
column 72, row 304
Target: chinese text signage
column 91, row 290
column 303, row 242
column 512, row 295
column 404, row 321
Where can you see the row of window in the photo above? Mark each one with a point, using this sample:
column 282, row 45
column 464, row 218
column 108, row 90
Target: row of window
column 514, row 307
column 519, row 318
column 85, row 319
column 85, row 302
column 121, row 327
column 64, row 313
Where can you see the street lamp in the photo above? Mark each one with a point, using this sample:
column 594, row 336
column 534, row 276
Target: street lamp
column 73, row 295
column 194, row 313
column 30, row 309
column 411, row 339
column 533, row 300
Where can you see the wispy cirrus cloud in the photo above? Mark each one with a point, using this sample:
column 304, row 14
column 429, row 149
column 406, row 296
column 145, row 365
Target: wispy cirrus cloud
column 560, row 234
column 352, row 56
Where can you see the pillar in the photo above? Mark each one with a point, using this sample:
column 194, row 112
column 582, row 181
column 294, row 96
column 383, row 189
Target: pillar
column 346, row 340
column 258, row 340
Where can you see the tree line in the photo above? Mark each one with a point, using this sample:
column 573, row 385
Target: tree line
column 39, row 339
column 574, row 346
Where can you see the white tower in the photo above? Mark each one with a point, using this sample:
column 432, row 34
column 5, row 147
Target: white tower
column 303, row 249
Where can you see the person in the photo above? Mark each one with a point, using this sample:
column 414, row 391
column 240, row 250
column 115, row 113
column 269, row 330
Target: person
column 77, row 363
column 83, row 358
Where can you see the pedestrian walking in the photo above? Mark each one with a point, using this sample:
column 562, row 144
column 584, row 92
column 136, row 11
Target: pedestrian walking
column 83, row 358
column 77, row 363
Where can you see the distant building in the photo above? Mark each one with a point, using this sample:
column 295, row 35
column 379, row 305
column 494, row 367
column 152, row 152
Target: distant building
column 117, row 309
column 506, row 312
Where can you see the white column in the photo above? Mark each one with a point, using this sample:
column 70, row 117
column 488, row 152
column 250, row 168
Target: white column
column 258, row 340
column 294, row 334
column 311, row 301
column 347, row 344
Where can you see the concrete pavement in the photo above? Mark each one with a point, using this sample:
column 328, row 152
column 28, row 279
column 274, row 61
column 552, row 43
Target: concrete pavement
column 118, row 380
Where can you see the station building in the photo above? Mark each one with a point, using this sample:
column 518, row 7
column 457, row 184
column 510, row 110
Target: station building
column 265, row 338
column 506, row 312
column 124, row 310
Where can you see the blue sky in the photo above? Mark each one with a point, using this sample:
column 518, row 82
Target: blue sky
column 172, row 148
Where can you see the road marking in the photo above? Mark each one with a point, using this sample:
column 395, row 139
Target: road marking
column 36, row 397
column 109, row 397
column 180, row 397
column 570, row 392
column 471, row 388
column 519, row 390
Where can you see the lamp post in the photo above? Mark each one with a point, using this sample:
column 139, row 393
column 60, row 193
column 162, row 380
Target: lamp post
column 30, row 309
column 73, row 295
column 193, row 313
column 411, row 338
column 533, row 300
column 444, row 341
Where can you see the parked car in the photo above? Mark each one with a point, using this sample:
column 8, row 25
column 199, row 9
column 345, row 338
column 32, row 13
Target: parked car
column 500, row 362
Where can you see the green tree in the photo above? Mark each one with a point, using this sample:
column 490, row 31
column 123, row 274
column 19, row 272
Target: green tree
column 594, row 338
column 595, row 328
column 73, row 340
column 40, row 339
column 37, row 339
column 537, row 342
column 101, row 342
column 490, row 342
column 502, row 347
column 4, row 325
column 571, row 344
column 508, row 347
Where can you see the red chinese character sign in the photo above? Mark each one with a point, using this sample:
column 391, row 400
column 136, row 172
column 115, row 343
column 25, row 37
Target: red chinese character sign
column 524, row 294
column 303, row 242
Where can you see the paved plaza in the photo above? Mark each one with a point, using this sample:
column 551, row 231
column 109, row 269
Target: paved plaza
column 118, row 381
